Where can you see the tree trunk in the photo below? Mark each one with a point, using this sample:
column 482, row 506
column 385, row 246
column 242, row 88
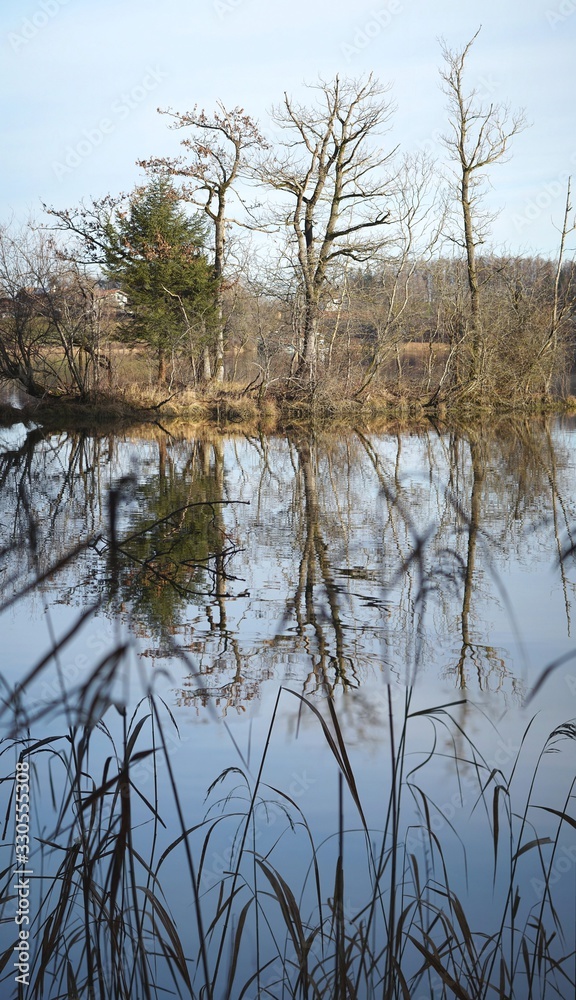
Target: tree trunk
column 220, row 563
column 557, row 313
column 218, row 272
column 309, row 354
column 207, row 367
column 479, row 474
column 472, row 271
column 219, row 362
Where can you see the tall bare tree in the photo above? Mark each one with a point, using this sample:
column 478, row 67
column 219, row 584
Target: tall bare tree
column 337, row 182
column 217, row 154
column 562, row 304
column 479, row 135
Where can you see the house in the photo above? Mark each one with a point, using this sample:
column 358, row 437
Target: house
column 113, row 298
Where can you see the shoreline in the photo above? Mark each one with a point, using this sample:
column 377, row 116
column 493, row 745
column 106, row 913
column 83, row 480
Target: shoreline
column 233, row 408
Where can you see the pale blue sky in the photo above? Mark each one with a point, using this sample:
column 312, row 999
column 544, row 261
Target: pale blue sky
column 81, row 82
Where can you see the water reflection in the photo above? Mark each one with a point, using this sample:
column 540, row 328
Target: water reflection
column 311, row 558
column 329, row 564
column 175, row 550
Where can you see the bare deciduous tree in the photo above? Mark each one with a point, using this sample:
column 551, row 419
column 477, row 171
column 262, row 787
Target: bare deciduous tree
column 217, row 153
column 479, row 135
column 337, row 180
column 561, row 302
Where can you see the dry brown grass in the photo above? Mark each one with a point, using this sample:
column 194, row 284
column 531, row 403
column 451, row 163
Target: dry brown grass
column 130, row 393
column 417, row 350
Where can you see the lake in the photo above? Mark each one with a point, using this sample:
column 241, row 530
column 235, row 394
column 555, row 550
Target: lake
column 289, row 715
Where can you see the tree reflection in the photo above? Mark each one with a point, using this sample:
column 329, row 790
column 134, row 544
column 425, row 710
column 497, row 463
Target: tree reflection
column 316, row 602
column 52, row 501
column 164, row 546
column 483, row 657
column 317, row 559
column 176, row 549
column 489, row 493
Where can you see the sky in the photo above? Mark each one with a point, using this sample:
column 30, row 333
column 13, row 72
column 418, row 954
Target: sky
column 82, row 81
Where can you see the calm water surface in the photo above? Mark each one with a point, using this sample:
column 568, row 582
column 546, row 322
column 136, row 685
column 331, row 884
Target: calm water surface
column 388, row 574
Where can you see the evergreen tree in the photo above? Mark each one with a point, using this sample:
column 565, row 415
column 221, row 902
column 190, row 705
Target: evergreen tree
column 155, row 252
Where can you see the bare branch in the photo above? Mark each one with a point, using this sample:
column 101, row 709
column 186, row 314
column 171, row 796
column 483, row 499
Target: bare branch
column 338, row 181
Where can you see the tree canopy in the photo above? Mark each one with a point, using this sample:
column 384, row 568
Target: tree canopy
column 155, row 251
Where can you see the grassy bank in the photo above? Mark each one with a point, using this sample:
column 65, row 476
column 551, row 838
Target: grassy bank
column 234, row 406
